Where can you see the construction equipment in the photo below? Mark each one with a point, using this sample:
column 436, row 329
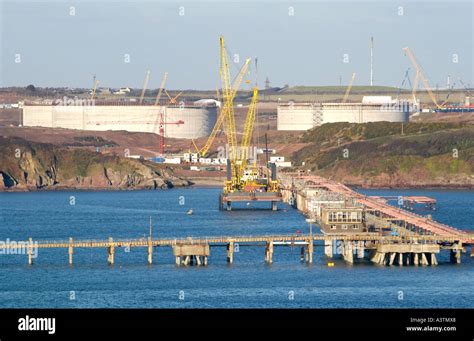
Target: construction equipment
column 407, row 77
column 420, row 74
column 248, row 130
column 223, row 114
column 243, row 183
column 468, row 91
column 346, row 95
column 228, row 105
column 161, row 117
column 415, row 86
column 162, row 132
column 162, row 86
column 173, row 100
column 96, row 83
column 145, row 86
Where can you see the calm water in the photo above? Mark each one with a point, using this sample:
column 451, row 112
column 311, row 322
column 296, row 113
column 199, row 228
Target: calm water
column 50, row 282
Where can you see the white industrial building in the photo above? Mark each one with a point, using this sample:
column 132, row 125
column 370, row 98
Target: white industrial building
column 184, row 121
column 304, row 116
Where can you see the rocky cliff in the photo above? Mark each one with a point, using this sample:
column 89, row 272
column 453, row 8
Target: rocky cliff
column 31, row 166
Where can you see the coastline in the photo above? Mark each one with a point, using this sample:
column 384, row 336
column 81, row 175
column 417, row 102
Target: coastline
column 204, row 182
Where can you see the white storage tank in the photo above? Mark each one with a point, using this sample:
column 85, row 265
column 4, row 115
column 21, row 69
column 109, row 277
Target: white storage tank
column 191, row 121
column 304, row 116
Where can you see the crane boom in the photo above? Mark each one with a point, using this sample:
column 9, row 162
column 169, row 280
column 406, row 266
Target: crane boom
column 162, row 86
column 222, row 115
column 415, row 85
column 227, row 94
column 419, row 72
column 172, row 99
column 95, row 89
column 145, row 86
column 346, row 95
column 248, row 128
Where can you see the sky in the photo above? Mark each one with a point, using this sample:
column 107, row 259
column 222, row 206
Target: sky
column 63, row 43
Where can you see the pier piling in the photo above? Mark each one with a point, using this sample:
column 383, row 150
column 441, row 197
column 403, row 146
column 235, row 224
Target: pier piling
column 30, row 251
column 70, row 250
column 328, row 248
column 111, row 249
column 310, row 251
column 269, row 252
column 150, row 251
column 230, row 252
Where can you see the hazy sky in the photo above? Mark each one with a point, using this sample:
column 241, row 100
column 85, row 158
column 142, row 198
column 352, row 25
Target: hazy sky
column 56, row 48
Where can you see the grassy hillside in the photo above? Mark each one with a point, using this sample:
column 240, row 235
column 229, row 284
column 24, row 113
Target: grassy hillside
column 377, row 154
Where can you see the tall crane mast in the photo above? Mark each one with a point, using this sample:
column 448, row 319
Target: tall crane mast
column 419, row 72
column 160, row 119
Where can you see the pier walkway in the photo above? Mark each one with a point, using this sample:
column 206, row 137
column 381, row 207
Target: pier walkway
column 420, row 224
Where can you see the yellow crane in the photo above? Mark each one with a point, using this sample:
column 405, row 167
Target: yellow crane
column 420, row 74
column 173, row 100
column 223, row 113
column 415, row 86
column 248, row 129
column 346, row 95
column 246, row 177
column 228, row 99
column 145, row 86
column 94, row 89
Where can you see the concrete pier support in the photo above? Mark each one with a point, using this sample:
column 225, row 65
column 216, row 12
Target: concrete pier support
column 111, row 258
column 150, row 251
column 347, row 252
column 230, row 252
column 70, row 251
column 310, row 251
column 29, row 250
column 392, row 257
column 410, row 254
column 269, row 253
column 379, row 257
column 424, row 260
column 433, row 260
column 274, row 206
column 360, row 249
column 190, row 254
column 456, row 256
column 328, row 252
